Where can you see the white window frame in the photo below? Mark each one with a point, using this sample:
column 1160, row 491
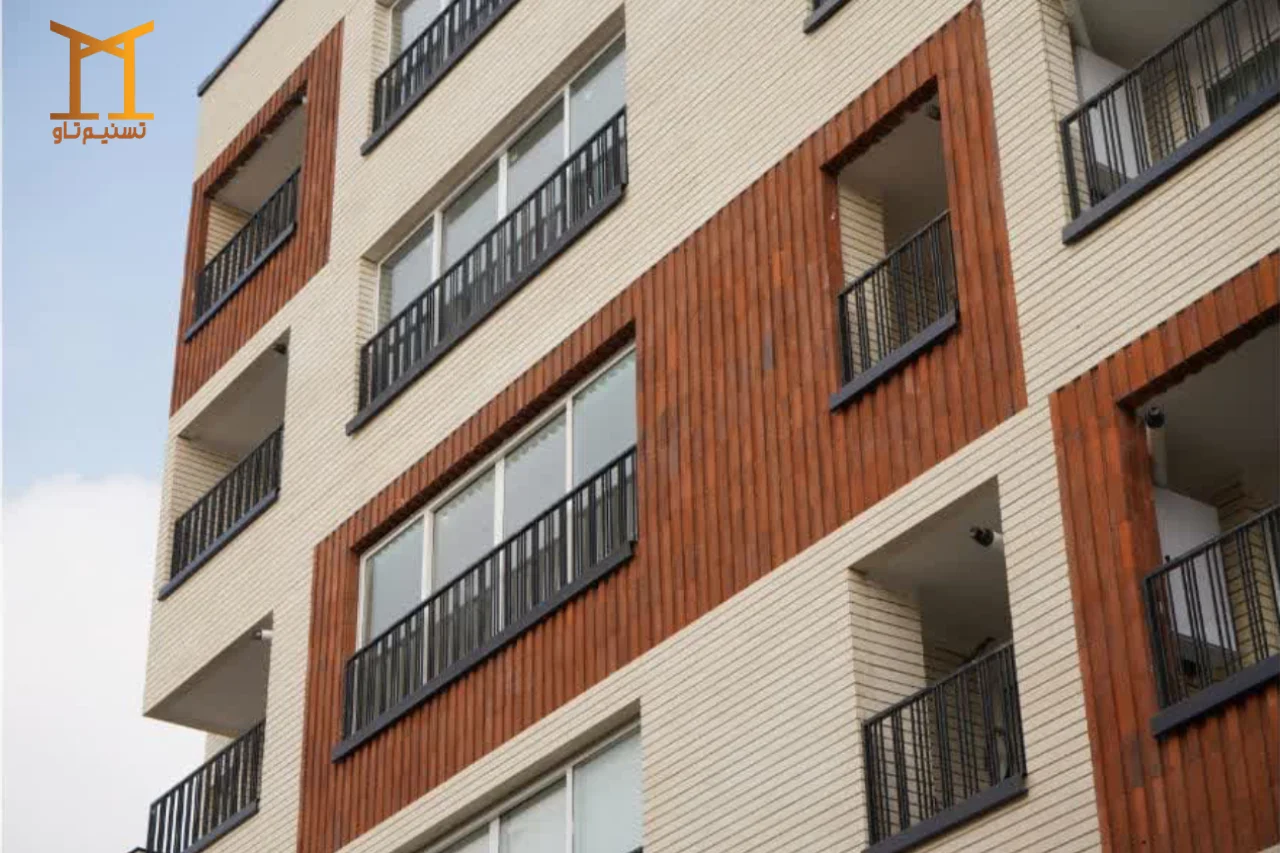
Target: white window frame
column 436, row 217
column 492, row 818
column 495, row 462
column 394, row 8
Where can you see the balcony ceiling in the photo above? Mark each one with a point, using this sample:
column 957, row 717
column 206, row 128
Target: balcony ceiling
column 247, row 411
column 1128, row 31
column 229, row 694
column 269, row 165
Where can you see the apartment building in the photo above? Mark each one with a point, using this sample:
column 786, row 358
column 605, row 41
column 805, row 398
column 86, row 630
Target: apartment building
column 616, row 425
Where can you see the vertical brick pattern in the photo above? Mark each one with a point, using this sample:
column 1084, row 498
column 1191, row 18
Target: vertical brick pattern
column 285, row 273
column 1213, row 785
column 741, row 464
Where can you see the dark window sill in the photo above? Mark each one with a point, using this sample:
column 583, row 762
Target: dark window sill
column 1227, row 124
column 380, row 402
column 240, row 281
column 479, row 656
column 948, row 819
column 821, row 12
column 1215, row 696
column 217, row 545
column 867, row 379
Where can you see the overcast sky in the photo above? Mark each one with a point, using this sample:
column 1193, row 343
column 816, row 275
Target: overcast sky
column 93, row 238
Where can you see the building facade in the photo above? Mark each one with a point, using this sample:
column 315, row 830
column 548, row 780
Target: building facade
column 606, row 426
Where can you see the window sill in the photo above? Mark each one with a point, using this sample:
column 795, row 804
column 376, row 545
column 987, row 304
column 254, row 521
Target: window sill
column 1244, row 112
column 217, row 545
column 479, row 656
column 241, row 281
column 948, row 819
column 865, row 381
column 1215, row 696
column 819, row 15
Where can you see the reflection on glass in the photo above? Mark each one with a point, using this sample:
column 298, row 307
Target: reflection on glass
column 535, row 155
column 604, row 419
column 608, row 816
column 597, row 94
column 412, row 17
column 477, row 843
column 406, row 273
column 394, row 580
column 463, row 531
column 534, row 476
column 470, row 217
column 535, row 827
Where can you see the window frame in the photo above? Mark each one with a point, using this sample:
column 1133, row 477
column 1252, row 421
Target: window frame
column 492, row 817
column 435, row 219
column 495, row 462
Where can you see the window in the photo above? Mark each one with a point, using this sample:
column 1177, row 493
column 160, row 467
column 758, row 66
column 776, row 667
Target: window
column 410, row 18
column 592, row 806
column 593, row 98
column 586, row 431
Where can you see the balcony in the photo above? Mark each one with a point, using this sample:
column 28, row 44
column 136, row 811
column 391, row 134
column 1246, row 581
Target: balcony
column 426, row 59
column 577, row 541
column 211, row 802
column 544, row 224
column 1140, row 122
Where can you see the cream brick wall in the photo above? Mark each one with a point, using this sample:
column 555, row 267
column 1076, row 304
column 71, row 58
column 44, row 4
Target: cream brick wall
column 224, row 222
column 755, row 745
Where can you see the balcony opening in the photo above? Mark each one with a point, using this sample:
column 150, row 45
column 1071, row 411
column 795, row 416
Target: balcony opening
column 895, row 241
column 227, row 699
column 943, row 737
column 1215, row 479
column 251, row 213
column 226, row 464
column 1156, row 89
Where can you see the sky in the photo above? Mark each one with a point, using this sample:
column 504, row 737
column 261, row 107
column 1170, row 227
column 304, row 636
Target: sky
column 93, row 239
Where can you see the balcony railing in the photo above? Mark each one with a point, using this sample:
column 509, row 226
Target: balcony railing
column 270, row 226
column 577, row 541
column 535, row 231
column 426, row 59
column 1219, row 72
column 946, row 753
column 1212, row 613
column 210, row 802
column 226, row 509
column 900, row 306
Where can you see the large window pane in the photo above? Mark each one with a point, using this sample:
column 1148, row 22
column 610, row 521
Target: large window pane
column 536, row 827
column 411, row 18
column 477, row 843
column 472, row 215
column 604, row 419
column 534, row 476
column 463, row 531
column 597, row 94
column 608, row 808
column 394, row 583
column 535, row 155
column 406, row 273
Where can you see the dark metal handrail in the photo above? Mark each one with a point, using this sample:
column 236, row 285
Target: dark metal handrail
column 498, row 264
column 943, row 745
column 423, row 60
column 218, row 795
column 496, row 596
column 885, row 308
column 1213, row 611
column 270, row 224
column 1152, row 111
column 222, row 510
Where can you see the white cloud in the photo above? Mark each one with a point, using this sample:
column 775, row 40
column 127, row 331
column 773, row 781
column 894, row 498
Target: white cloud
column 81, row 765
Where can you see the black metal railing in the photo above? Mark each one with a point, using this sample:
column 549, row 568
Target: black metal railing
column 502, row 261
column 228, row 506
column 947, row 743
column 269, row 226
column 884, row 310
column 212, row 800
column 1145, row 117
column 549, row 559
column 1213, row 611
column 422, row 62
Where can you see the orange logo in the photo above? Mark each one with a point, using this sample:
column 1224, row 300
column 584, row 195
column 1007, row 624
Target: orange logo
column 81, row 45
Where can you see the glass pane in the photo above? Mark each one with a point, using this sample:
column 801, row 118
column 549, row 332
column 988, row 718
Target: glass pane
column 406, row 273
column 535, row 155
column 535, row 827
column 608, row 807
column 597, row 94
column 470, row 217
column 412, row 17
column 463, row 531
column 478, row 843
column 604, row 419
column 394, row 583
column 534, row 477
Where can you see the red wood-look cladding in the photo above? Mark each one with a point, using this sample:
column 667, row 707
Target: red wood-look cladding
column 1214, row 785
column 741, row 464
column 293, row 265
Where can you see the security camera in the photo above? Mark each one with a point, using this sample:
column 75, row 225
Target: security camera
column 1154, row 418
column 1157, row 447
column 263, row 634
column 987, row 538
